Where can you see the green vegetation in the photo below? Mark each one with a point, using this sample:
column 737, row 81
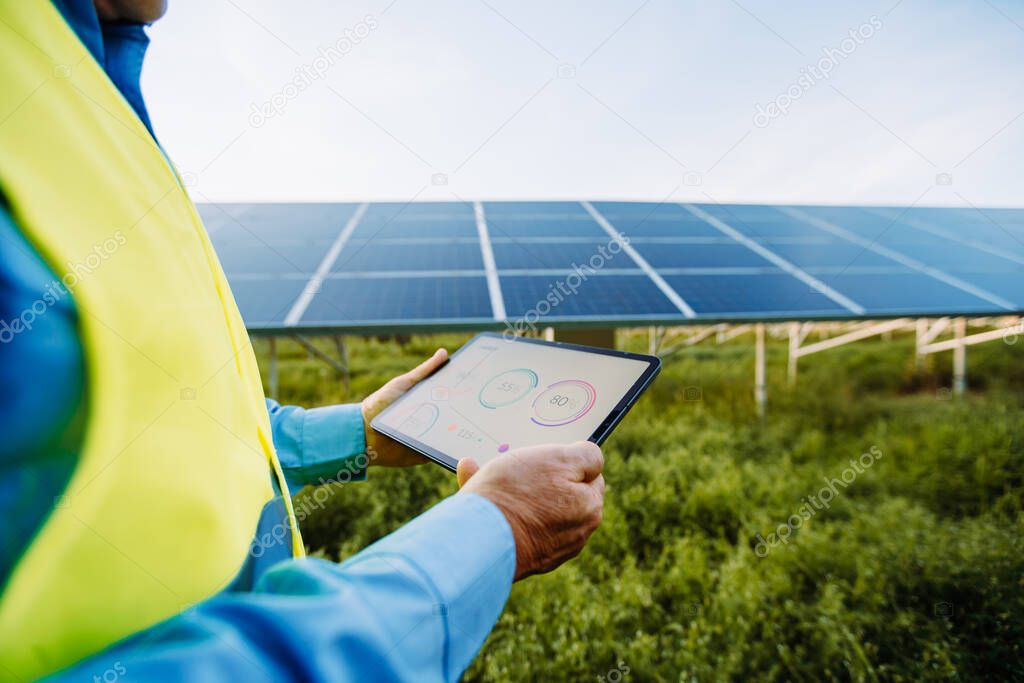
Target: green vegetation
column 915, row 571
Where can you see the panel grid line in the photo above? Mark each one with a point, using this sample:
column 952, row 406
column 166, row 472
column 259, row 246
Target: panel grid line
column 897, row 256
column 949, row 235
column 493, row 283
column 330, row 258
column 799, row 273
column 640, row 261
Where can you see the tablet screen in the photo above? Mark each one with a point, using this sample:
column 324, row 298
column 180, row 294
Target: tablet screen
column 497, row 395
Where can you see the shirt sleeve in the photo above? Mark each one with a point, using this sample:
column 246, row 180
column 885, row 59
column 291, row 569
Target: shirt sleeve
column 318, row 445
column 415, row 606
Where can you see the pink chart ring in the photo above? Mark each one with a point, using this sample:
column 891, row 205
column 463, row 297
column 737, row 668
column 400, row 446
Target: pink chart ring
column 589, row 398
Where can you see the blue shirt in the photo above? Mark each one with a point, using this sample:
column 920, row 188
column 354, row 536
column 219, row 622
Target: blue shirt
column 416, row 605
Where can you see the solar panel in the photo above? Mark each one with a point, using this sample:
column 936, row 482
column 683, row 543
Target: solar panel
column 600, row 296
column 440, row 256
column 904, row 292
column 272, row 259
column 265, row 302
column 668, row 255
column 339, row 266
column 833, row 253
column 358, row 300
column 1009, row 286
column 526, row 255
column 750, row 295
column 269, row 223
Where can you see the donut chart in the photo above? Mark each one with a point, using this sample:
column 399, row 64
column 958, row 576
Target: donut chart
column 507, row 387
column 420, row 420
column 563, row 402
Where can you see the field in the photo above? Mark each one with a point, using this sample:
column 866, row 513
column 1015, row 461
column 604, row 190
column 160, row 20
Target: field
column 911, row 570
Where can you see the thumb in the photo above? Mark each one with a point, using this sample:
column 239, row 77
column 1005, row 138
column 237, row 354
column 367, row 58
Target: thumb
column 467, row 468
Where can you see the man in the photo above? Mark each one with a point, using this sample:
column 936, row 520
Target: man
column 143, row 477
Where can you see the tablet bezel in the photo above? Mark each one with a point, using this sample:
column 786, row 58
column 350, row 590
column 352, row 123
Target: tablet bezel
column 600, row 433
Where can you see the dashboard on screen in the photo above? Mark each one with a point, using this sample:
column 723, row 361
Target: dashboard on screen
column 497, row 394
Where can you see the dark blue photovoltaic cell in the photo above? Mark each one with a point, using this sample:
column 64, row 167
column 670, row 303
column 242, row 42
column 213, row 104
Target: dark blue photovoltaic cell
column 751, row 295
column 519, row 227
column 266, row 302
column 421, row 219
column 439, row 227
column 559, row 210
column 561, row 255
column 870, row 226
column 231, row 223
column 757, row 213
column 905, row 292
column 1005, row 236
column 654, row 220
column 270, row 259
column 361, row 300
column 958, row 257
column 360, row 257
column 1009, row 286
column 953, row 217
column 700, row 256
column 386, row 212
column 598, row 295
column 769, row 229
column 837, row 253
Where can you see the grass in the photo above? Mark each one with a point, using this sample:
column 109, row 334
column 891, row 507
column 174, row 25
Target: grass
column 914, row 572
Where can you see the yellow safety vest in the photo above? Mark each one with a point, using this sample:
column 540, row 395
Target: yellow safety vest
column 173, row 469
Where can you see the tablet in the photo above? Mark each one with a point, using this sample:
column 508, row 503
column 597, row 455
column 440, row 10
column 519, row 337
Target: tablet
column 500, row 393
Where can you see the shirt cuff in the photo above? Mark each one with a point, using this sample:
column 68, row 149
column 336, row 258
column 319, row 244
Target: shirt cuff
column 465, row 548
column 319, row 445
column 334, row 445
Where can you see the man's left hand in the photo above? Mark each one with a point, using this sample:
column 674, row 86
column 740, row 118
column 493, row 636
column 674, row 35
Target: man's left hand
column 381, row 449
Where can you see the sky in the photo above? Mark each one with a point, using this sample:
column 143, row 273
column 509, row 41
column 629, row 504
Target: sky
column 726, row 101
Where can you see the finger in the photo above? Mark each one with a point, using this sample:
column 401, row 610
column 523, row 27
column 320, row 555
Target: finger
column 466, row 468
column 423, row 370
column 586, row 458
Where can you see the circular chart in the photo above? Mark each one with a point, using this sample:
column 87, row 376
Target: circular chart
column 420, row 420
column 507, row 387
column 563, row 402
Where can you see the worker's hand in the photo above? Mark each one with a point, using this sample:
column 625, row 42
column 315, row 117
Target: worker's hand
column 552, row 496
column 381, row 449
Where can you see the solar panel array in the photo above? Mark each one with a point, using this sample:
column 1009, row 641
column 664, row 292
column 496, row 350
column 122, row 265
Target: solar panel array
column 451, row 264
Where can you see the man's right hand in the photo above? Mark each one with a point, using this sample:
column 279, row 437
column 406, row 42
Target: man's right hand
column 552, row 497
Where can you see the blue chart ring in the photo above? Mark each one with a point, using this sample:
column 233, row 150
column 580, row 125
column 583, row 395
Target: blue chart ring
column 531, row 377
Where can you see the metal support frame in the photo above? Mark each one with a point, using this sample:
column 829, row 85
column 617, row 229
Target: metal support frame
column 655, row 337
column 272, row 378
column 733, row 332
column 959, row 357
column 697, row 337
column 342, row 348
column 927, row 332
column 797, row 334
column 797, row 351
column 1009, row 327
column 760, row 391
column 317, row 353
